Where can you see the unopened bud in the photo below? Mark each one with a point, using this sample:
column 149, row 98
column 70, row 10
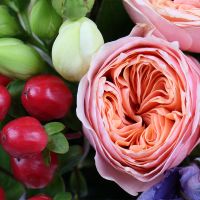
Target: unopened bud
column 74, row 47
column 44, row 20
column 18, row 60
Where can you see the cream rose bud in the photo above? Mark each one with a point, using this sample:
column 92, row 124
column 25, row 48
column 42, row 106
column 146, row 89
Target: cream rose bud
column 74, row 47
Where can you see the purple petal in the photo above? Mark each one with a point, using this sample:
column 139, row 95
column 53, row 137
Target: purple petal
column 167, row 189
column 190, row 181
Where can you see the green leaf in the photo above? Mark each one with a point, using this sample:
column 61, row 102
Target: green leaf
column 73, row 9
column 78, row 183
column 63, row 196
column 5, row 159
column 46, row 156
column 58, row 143
column 17, row 189
column 15, row 89
column 55, row 187
column 6, row 181
column 118, row 19
column 71, row 159
column 16, row 109
column 54, row 127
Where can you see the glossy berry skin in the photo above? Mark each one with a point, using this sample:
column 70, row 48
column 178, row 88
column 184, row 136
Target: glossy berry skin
column 4, row 80
column 23, row 137
column 40, row 197
column 5, row 101
column 46, row 97
column 2, row 194
column 34, row 172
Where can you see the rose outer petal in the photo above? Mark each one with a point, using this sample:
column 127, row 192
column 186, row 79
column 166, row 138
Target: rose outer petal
column 141, row 12
column 109, row 160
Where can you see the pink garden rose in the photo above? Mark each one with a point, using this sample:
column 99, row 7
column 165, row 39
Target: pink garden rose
column 139, row 105
column 177, row 20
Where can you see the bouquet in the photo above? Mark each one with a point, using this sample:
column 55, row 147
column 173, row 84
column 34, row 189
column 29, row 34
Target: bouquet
column 99, row 99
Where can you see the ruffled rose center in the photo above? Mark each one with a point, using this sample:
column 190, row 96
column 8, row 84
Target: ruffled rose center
column 180, row 12
column 141, row 101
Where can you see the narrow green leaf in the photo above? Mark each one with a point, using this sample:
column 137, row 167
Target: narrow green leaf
column 5, row 158
column 47, row 157
column 58, row 143
column 15, row 89
column 54, row 127
column 78, row 183
column 6, row 181
column 63, row 196
column 71, row 159
column 17, row 188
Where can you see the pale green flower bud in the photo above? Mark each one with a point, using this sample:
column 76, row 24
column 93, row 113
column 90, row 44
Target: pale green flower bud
column 8, row 24
column 18, row 60
column 74, row 47
column 44, row 20
column 72, row 9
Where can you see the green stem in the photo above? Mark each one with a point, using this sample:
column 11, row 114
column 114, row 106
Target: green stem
column 37, row 42
column 23, row 19
column 33, row 39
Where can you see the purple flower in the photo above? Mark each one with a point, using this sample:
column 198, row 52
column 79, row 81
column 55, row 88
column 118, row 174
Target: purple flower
column 167, row 189
column 190, row 181
column 185, row 180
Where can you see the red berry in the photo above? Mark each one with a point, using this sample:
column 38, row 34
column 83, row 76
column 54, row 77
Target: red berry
column 2, row 194
column 24, row 137
column 40, row 197
column 34, row 172
column 46, row 97
column 4, row 80
column 5, row 101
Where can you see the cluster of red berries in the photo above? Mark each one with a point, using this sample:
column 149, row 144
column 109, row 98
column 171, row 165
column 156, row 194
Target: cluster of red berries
column 45, row 98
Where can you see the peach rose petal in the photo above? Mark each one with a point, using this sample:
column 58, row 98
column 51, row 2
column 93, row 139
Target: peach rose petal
column 173, row 20
column 139, row 105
